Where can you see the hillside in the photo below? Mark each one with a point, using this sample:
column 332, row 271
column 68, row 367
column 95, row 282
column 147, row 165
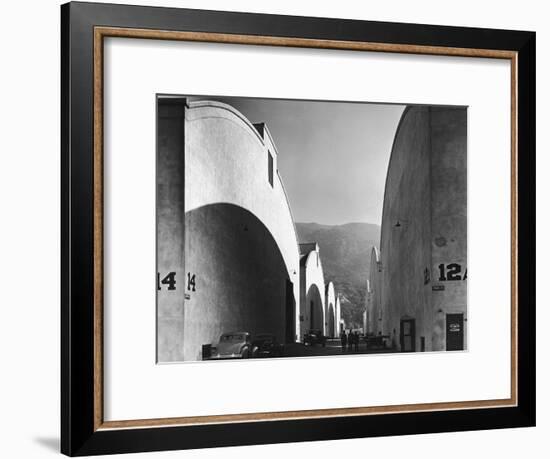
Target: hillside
column 345, row 253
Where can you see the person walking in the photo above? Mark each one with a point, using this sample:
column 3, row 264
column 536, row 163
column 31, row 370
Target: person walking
column 350, row 341
column 343, row 340
column 356, row 341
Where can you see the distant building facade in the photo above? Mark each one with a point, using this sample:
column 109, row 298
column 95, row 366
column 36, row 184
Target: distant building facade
column 331, row 320
column 418, row 280
column 339, row 321
column 312, row 289
column 374, row 306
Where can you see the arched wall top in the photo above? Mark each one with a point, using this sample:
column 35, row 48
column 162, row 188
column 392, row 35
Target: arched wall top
column 329, row 291
column 311, row 269
column 312, row 261
column 330, row 296
column 231, row 113
column 259, row 131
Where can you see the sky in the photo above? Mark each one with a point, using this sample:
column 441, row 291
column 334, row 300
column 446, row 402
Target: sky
column 333, row 156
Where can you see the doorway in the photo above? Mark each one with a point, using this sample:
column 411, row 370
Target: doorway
column 330, row 331
column 290, row 313
column 408, row 334
column 455, row 332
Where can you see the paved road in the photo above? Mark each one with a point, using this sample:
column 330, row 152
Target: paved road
column 333, row 347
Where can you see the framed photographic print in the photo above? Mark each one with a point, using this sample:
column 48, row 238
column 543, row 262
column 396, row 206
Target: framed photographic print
column 280, row 229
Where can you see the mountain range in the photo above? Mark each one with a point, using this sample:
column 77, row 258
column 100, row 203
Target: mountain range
column 345, row 254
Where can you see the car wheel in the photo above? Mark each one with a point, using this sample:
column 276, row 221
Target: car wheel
column 245, row 354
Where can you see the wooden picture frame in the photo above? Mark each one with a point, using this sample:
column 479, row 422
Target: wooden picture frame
column 84, row 26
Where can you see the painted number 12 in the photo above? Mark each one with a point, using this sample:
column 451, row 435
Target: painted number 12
column 451, row 272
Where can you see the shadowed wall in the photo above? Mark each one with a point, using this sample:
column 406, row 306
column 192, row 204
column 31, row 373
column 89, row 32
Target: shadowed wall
column 241, row 277
column 170, row 229
column 315, row 316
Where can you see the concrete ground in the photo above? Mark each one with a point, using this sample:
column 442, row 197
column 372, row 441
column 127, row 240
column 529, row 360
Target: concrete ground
column 333, row 347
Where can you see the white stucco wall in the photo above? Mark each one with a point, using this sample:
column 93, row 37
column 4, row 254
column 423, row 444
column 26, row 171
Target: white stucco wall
column 374, row 296
column 338, row 319
column 240, row 238
column 330, row 310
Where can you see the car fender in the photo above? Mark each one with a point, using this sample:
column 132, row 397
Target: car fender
column 245, row 349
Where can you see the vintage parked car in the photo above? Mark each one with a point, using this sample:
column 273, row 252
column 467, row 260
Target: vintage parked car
column 313, row 337
column 266, row 345
column 233, row 345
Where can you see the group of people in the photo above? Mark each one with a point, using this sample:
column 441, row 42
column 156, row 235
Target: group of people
column 350, row 341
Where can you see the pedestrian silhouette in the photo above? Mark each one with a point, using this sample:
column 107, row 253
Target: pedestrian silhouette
column 356, row 341
column 343, row 340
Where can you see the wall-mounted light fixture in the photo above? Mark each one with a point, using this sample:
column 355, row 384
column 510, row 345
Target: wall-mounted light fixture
column 400, row 222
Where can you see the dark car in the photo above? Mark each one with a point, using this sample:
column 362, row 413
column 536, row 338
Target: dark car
column 266, row 345
column 313, row 337
column 233, row 345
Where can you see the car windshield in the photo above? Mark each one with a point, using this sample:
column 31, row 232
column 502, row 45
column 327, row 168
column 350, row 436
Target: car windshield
column 232, row 337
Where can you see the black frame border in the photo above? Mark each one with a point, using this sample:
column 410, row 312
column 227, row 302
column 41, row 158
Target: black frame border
column 77, row 236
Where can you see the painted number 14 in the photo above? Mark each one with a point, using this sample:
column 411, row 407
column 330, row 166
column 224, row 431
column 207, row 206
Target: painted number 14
column 169, row 280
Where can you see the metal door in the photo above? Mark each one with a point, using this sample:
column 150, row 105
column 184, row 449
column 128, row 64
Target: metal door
column 455, row 332
column 408, row 335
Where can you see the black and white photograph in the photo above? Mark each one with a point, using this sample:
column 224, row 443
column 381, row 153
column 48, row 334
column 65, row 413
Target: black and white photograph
column 307, row 228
